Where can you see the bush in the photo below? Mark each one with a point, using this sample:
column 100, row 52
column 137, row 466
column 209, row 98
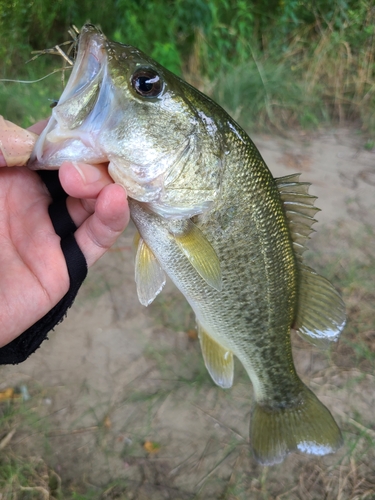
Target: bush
column 292, row 62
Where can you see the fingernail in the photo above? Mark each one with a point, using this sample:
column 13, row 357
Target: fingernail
column 89, row 173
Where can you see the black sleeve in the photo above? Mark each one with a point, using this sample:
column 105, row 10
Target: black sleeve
column 27, row 343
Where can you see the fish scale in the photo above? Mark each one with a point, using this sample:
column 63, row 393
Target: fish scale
column 277, row 277
column 211, row 216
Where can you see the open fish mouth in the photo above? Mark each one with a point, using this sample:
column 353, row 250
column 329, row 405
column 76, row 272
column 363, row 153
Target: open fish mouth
column 77, row 101
column 88, row 63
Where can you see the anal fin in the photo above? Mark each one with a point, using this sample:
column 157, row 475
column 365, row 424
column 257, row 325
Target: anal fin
column 218, row 359
column 149, row 276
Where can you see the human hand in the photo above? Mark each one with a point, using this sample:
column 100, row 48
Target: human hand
column 33, row 272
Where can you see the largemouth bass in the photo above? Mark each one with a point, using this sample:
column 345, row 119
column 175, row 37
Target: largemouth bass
column 211, row 216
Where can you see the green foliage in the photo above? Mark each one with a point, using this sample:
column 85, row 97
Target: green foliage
column 165, row 30
column 271, row 62
column 262, row 94
column 27, row 25
column 26, row 104
column 317, row 64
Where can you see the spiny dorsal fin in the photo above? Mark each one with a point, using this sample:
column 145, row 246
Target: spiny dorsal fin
column 149, row 276
column 299, row 209
column 321, row 312
column 218, row 360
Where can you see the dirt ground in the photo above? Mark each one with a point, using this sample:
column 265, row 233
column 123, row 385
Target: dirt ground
column 121, row 390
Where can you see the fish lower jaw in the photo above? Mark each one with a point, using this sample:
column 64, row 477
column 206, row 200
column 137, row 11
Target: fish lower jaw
column 72, row 150
column 57, row 144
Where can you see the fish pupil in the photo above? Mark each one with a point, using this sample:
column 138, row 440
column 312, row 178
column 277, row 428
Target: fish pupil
column 144, row 84
column 147, row 83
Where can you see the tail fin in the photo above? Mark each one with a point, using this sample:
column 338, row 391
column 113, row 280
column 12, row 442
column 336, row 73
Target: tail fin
column 308, row 427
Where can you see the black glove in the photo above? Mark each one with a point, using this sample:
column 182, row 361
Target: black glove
column 27, row 343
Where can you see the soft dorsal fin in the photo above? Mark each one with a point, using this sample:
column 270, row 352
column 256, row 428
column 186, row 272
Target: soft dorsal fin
column 198, row 250
column 218, row 359
column 299, row 209
column 321, row 311
column 149, row 276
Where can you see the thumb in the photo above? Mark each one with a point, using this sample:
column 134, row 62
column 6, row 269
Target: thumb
column 16, row 144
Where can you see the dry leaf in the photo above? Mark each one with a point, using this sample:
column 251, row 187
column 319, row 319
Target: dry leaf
column 9, row 394
column 151, row 447
column 192, row 334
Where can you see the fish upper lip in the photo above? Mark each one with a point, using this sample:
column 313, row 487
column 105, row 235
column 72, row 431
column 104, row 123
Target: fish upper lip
column 88, row 67
column 89, row 60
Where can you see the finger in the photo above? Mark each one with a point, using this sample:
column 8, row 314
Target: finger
column 82, row 180
column 100, row 231
column 3, row 163
column 83, row 183
column 16, row 144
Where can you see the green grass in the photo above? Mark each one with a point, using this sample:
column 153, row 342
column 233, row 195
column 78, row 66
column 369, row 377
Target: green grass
column 27, row 103
column 260, row 94
column 308, row 85
column 175, row 386
column 273, row 92
column 266, row 94
column 352, row 270
column 220, row 466
column 23, row 475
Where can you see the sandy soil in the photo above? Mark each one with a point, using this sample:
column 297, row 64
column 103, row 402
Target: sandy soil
column 115, row 375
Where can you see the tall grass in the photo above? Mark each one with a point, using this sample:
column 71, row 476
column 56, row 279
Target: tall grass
column 271, row 64
column 174, row 384
column 322, row 77
column 27, row 103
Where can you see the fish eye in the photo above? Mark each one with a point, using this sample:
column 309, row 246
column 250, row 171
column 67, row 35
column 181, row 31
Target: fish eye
column 147, row 83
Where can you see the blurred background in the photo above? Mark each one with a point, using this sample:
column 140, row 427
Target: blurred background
column 118, row 403
column 271, row 63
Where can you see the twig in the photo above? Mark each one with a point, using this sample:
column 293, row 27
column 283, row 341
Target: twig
column 173, row 471
column 201, row 458
column 220, row 423
column 6, row 440
column 75, row 431
column 213, row 470
column 361, row 427
column 38, row 489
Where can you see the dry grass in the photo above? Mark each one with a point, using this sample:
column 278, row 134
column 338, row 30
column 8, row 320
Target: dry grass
column 322, row 76
column 166, row 432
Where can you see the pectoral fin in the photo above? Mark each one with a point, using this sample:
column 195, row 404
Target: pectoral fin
column 136, row 240
column 149, row 276
column 218, row 360
column 321, row 311
column 200, row 253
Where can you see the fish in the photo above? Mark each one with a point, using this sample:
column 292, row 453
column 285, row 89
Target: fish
column 211, row 216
